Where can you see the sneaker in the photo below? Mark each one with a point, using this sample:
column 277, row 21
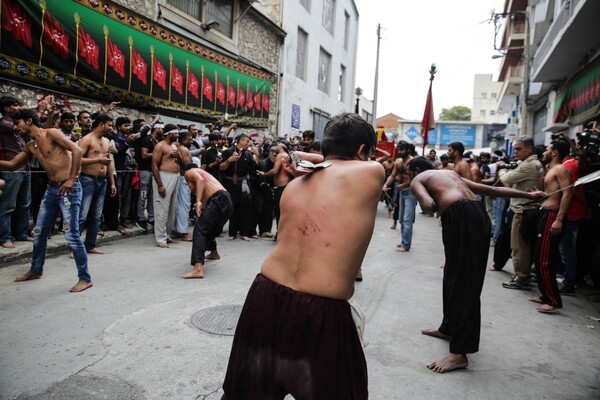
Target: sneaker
column 566, row 290
column 516, row 285
column 142, row 225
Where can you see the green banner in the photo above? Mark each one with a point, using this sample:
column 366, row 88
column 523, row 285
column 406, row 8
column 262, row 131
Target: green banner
column 98, row 49
column 580, row 100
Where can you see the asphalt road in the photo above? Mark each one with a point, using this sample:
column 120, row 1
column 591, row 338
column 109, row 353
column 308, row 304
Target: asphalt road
column 131, row 336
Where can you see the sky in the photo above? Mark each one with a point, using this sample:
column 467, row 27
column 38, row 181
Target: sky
column 455, row 35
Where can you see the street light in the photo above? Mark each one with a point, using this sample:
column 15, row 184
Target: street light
column 358, row 92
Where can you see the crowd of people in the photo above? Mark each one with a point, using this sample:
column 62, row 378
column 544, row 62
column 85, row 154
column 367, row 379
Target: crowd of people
column 97, row 172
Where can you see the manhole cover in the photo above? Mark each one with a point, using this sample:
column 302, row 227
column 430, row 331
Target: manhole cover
column 220, row 320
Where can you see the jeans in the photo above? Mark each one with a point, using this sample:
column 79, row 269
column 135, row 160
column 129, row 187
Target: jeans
column 498, row 204
column 145, row 201
column 92, row 204
column 124, row 193
column 568, row 251
column 184, row 198
column 408, row 203
column 14, row 206
column 69, row 205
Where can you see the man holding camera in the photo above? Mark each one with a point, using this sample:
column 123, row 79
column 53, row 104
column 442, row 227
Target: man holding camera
column 527, row 175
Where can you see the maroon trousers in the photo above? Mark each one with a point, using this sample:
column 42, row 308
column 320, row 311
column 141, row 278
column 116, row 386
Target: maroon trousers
column 289, row 342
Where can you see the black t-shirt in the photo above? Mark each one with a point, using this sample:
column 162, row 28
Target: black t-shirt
column 208, row 157
column 244, row 166
column 145, row 164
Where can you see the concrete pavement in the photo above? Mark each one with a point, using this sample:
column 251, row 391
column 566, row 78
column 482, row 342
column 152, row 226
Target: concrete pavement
column 131, row 336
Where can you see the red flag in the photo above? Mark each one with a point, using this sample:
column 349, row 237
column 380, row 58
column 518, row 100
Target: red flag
column 428, row 122
column 138, row 66
column 56, row 37
column 231, row 95
column 193, row 84
column 116, row 59
column 265, row 103
column 257, row 101
column 249, row 99
column 208, row 88
column 88, row 49
column 241, row 98
column 176, row 79
column 14, row 20
column 220, row 92
column 160, row 73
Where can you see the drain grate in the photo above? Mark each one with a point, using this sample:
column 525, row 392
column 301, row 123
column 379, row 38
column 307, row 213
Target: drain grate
column 220, row 320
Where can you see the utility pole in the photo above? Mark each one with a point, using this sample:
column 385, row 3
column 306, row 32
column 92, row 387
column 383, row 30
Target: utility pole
column 376, row 78
column 525, row 92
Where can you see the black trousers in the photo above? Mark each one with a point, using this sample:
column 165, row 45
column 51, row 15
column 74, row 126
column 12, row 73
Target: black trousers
column 547, row 258
column 210, row 225
column 277, row 199
column 264, row 204
column 502, row 249
column 466, row 230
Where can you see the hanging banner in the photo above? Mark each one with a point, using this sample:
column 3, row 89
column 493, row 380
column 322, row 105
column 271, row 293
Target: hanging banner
column 98, row 49
column 580, row 100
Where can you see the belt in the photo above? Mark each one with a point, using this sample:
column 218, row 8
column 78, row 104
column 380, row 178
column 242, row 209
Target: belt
column 56, row 183
column 93, row 176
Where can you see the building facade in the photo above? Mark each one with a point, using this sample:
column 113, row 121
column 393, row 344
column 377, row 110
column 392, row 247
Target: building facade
column 485, row 98
column 318, row 63
column 190, row 61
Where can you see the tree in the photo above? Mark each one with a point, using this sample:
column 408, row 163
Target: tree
column 456, row 113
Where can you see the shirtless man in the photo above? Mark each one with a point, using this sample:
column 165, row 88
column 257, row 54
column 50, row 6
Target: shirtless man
column 465, row 234
column 165, row 169
column 445, row 163
column 95, row 169
column 549, row 226
column 296, row 322
column 455, row 154
column 61, row 158
column 184, row 194
column 471, row 160
column 282, row 175
column 213, row 208
column 407, row 201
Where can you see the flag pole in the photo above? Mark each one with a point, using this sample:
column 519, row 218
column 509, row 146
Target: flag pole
column 77, row 20
column 151, row 69
column 170, row 73
column 105, row 30
column 187, row 80
column 202, row 92
column 227, row 97
column 130, row 61
column 428, row 122
column 216, row 90
column 43, row 6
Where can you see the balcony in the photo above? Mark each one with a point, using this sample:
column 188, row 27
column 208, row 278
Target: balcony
column 568, row 41
column 511, row 88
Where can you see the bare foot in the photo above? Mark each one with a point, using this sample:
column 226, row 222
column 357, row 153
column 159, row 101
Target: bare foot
column 8, row 245
column 547, row 309
column 435, row 333
column 101, row 233
column 163, row 245
column 81, row 286
column 449, row 363
column 71, row 256
column 393, row 226
column 493, row 268
column 535, row 300
column 267, row 234
column 27, row 276
column 230, row 237
column 196, row 273
column 246, row 238
column 214, row 255
column 187, row 237
column 96, row 250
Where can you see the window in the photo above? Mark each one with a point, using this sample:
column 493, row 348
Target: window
column 492, row 112
column 341, row 88
column 346, row 30
column 220, row 11
column 328, row 15
column 482, row 113
column 494, row 95
column 324, row 71
column 484, row 95
column 301, row 54
column 305, row 4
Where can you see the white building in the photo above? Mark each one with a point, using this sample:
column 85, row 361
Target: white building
column 485, row 99
column 318, row 63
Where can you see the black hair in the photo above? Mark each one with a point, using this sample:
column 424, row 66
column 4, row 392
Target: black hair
column 344, row 135
column 189, row 166
column 484, row 154
column 6, row 101
column 101, row 119
column 316, row 146
column 213, row 136
column 538, row 150
column 241, row 136
column 121, row 121
column 308, row 134
column 27, row 114
column 421, row 163
column 183, row 135
column 458, row 146
column 67, row 115
column 444, row 157
column 403, row 145
column 562, row 147
column 81, row 114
